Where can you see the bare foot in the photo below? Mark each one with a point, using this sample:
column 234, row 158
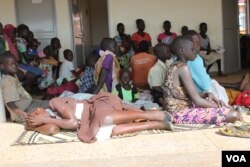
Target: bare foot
column 244, row 82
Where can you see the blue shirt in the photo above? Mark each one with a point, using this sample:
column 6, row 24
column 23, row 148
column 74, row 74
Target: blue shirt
column 199, row 74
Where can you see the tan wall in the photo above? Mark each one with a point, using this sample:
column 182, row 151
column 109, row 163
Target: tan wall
column 64, row 28
column 155, row 12
column 98, row 20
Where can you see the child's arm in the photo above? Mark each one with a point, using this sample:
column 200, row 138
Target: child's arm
column 15, row 109
column 186, row 80
column 101, row 80
column 68, row 120
column 76, row 72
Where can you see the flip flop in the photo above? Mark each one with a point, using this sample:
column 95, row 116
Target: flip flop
column 236, row 131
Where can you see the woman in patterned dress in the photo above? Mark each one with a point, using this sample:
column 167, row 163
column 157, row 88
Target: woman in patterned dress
column 181, row 98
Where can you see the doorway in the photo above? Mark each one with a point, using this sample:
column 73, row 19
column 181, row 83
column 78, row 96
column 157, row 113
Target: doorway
column 232, row 61
column 40, row 17
column 90, row 25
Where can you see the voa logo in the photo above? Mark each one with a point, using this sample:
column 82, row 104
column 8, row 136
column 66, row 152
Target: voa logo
column 236, row 158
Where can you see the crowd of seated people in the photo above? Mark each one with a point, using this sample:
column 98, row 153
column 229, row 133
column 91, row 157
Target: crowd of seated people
column 125, row 69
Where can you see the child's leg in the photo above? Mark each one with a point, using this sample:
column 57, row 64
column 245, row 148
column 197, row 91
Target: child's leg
column 139, row 126
column 128, row 116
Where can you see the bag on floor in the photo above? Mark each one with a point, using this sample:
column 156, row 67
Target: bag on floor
column 243, row 99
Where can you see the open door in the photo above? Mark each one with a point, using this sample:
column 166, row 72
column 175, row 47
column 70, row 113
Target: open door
column 231, row 36
column 81, row 30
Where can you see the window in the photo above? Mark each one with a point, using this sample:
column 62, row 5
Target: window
column 243, row 16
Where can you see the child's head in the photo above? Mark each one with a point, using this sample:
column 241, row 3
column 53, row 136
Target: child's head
column 22, row 31
column 68, row 55
column 55, row 43
column 140, row 25
column 108, row 44
column 30, row 36
column 8, row 63
column 120, row 28
column 162, row 52
column 203, row 28
column 143, row 46
column 34, row 44
column 91, row 60
column 195, row 37
column 184, row 30
column 1, row 29
column 125, row 76
column 167, row 26
column 184, row 49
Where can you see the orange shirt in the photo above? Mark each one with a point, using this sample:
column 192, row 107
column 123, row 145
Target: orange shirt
column 137, row 38
column 141, row 64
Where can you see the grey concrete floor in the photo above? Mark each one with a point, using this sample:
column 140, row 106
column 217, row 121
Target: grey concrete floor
column 192, row 148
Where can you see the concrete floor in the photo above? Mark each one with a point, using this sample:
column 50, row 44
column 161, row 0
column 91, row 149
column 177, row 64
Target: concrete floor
column 192, row 148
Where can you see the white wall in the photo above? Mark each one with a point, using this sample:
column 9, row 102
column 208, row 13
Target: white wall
column 64, row 25
column 155, row 12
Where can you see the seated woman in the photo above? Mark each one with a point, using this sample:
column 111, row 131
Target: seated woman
column 89, row 115
column 182, row 99
column 210, row 56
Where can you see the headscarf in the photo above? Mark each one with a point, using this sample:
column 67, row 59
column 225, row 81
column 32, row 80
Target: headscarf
column 8, row 29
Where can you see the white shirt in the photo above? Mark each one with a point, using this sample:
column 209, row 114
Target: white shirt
column 156, row 75
column 65, row 70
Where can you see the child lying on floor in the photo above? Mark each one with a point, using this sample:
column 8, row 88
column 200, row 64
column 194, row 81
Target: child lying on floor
column 104, row 109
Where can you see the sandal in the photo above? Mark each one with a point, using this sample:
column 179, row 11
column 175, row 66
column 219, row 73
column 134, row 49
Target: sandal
column 236, row 131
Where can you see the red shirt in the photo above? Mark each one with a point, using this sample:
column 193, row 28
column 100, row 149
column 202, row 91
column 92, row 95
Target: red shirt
column 137, row 38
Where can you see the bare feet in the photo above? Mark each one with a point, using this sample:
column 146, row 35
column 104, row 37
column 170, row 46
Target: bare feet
column 168, row 121
column 244, row 82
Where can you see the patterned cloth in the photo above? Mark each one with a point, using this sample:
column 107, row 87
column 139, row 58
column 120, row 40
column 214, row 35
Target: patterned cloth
column 199, row 115
column 109, row 62
column 8, row 32
column 124, row 61
column 167, row 39
column 47, row 79
column 87, row 80
column 180, row 105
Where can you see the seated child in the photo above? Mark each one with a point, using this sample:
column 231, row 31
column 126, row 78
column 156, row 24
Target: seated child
column 156, row 75
column 140, row 35
column 52, row 55
column 125, row 52
column 181, row 97
column 107, row 68
column 210, row 56
column 15, row 97
column 86, row 81
column 141, row 63
column 167, row 36
column 125, row 90
column 67, row 70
